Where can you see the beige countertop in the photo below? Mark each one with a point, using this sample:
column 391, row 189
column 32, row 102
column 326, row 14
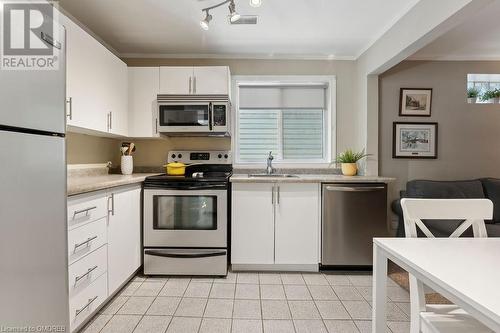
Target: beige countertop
column 78, row 184
column 311, row 178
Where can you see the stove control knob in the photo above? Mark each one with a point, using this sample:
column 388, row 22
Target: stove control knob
column 226, row 155
column 219, row 156
column 179, row 155
column 173, row 155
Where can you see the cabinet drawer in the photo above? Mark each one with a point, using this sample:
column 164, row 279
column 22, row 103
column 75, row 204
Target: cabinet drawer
column 85, row 210
column 85, row 303
column 86, row 239
column 85, row 271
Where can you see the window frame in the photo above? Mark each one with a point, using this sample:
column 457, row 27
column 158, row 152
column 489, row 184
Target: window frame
column 330, row 119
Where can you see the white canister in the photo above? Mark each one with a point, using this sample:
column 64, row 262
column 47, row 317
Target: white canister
column 127, row 165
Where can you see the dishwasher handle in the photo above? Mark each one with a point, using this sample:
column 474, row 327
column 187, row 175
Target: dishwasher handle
column 354, row 189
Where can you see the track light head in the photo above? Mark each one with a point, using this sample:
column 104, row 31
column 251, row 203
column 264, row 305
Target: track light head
column 204, row 24
column 233, row 14
column 255, row 3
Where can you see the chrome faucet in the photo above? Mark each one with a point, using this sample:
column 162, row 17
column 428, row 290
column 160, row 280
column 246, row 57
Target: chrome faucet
column 269, row 169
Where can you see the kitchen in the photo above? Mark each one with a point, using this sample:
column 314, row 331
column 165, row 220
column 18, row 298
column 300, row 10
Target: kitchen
column 158, row 168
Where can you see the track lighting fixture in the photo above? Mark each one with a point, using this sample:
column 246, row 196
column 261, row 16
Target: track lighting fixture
column 255, row 3
column 204, row 23
column 234, row 16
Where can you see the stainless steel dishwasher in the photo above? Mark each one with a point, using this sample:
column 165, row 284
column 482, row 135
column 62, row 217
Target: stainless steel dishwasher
column 352, row 214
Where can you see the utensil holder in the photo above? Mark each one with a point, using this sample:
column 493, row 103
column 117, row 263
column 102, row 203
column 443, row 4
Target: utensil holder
column 127, row 165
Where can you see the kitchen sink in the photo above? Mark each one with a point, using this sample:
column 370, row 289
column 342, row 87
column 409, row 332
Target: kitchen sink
column 265, row 175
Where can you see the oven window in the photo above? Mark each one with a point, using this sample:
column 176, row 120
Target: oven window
column 183, row 115
column 184, row 212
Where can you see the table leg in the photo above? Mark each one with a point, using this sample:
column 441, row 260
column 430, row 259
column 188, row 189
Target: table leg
column 379, row 319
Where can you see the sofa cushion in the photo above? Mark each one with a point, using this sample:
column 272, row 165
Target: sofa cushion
column 491, row 188
column 429, row 189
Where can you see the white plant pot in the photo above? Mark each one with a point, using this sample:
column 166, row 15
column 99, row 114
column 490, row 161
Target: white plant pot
column 472, row 100
column 496, row 100
column 127, row 165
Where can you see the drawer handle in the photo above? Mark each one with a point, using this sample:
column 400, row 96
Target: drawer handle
column 91, row 300
column 90, row 239
column 86, row 211
column 90, row 270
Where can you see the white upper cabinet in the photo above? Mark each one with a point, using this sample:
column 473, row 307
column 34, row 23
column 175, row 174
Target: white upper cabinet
column 176, row 80
column 297, row 223
column 212, row 80
column 143, row 87
column 96, row 84
column 207, row 80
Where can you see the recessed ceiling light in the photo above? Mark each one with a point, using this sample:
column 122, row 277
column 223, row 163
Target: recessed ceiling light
column 255, row 3
column 205, row 22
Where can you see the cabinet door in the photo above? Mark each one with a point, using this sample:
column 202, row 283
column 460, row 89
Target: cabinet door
column 83, row 84
column 297, row 223
column 211, row 80
column 117, row 91
column 143, row 88
column 252, row 224
column 176, row 80
column 124, row 244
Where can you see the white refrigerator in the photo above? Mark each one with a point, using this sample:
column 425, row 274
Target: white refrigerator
column 33, row 229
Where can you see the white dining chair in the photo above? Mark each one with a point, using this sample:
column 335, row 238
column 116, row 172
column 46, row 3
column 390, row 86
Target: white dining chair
column 434, row 318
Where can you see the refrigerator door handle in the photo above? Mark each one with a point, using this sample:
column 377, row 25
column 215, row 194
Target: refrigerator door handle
column 354, row 189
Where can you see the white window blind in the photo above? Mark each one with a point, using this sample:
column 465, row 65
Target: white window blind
column 288, row 120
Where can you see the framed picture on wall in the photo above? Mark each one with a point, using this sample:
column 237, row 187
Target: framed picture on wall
column 415, row 102
column 414, row 140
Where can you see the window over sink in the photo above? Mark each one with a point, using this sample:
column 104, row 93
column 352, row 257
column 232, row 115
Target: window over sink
column 288, row 115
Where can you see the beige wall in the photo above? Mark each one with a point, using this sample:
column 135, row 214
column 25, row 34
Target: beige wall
column 468, row 135
column 344, row 70
column 83, row 149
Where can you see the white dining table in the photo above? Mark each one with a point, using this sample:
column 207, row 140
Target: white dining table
column 464, row 270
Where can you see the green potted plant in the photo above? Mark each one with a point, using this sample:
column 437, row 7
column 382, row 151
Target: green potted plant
column 348, row 160
column 491, row 96
column 472, row 95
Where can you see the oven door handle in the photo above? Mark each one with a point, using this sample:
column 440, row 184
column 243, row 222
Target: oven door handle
column 185, row 255
column 187, row 188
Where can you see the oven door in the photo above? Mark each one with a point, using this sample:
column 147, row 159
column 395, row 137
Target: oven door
column 181, row 117
column 185, row 218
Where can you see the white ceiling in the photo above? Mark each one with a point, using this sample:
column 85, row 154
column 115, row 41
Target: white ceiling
column 335, row 29
column 475, row 39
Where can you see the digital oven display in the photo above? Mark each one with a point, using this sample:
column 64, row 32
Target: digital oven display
column 199, row 156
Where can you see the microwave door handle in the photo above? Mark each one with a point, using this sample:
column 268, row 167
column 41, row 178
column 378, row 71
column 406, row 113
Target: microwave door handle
column 210, row 116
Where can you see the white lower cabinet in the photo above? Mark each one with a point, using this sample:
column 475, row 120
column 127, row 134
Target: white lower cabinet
column 104, row 253
column 275, row 225
column 124, row 229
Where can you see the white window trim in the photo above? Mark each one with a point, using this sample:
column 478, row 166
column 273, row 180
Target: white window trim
column 330, row 115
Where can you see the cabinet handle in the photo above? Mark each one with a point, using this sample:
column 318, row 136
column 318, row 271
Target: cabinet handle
column 272, row 195
column 86, row 211
column 87, row 242
column 156, row 124
column 69, row 101
column 190, row 84
column 111, row 208
column 90, row 270
column 90, row 301
column 278, row 195
column 194, row 84
column 111, row 120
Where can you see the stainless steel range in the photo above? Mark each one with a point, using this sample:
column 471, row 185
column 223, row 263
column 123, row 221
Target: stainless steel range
column 186, row 217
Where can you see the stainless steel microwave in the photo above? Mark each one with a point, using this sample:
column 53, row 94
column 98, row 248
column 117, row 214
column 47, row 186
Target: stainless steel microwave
column 196, row 116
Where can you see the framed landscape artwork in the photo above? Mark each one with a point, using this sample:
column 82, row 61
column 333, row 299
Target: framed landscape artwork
column 415, row 102
column 414, row 140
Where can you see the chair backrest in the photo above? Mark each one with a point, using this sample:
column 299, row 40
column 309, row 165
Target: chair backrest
column 472, row 211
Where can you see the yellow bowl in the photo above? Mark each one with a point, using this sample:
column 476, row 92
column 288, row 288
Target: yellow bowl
column 175, row 169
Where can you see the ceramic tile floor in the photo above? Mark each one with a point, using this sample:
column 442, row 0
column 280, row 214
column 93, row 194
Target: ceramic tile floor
column 250, row 302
